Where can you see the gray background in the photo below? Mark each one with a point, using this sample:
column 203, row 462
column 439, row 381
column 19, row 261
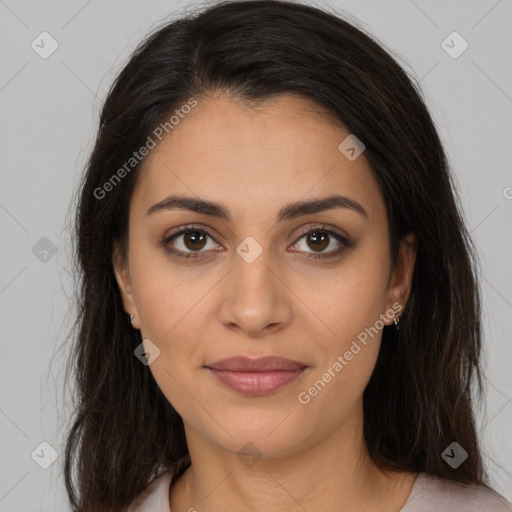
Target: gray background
column 49, row 116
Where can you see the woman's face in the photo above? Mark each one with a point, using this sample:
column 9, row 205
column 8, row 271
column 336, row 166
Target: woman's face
column 256, row 285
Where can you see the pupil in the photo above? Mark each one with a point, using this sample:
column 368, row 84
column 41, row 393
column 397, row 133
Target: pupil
column 195, row 238
column 319, row 239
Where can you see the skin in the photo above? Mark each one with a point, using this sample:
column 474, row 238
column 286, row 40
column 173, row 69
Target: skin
column 255, row 161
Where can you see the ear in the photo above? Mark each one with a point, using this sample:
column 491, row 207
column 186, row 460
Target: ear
column 400, row 281
column 122, row 274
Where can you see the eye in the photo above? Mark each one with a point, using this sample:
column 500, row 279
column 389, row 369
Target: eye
column 319, row 240
column 189, row 240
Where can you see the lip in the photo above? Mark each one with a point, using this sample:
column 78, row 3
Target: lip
column 259, row 364
column 256, row 376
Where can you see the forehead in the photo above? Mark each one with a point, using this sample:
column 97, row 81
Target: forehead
column 256, row 158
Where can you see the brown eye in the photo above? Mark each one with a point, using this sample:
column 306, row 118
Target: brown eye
column 317, row 240
column 321, row 242
column 189, row 242
column 194, row 240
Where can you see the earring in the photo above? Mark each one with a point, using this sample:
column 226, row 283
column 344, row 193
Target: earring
column 396, row 319
column 131, row 318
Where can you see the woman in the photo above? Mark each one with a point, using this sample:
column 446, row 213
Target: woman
column 279, row 303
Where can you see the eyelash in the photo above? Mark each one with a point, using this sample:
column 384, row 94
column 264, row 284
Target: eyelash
column 345, row 243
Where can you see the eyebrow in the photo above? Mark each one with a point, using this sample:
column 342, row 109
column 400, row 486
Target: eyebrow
column 288, row 212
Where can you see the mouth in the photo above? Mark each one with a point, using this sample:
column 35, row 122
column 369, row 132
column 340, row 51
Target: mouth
column 255, row 377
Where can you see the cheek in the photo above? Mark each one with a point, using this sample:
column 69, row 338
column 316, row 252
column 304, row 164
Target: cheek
column 169, row 298
column 351, row 299
column 334, row 400
column 351, row 306
column 334, row 391
column 172, row 309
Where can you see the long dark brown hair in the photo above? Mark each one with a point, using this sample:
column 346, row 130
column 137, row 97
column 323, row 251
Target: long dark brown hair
column 421, row 396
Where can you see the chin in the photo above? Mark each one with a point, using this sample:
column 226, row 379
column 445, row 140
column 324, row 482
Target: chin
column 270, row 434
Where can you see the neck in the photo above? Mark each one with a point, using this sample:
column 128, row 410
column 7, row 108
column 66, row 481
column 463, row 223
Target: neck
column 336, row 474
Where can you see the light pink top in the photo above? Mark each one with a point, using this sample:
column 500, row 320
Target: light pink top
column 428, row 494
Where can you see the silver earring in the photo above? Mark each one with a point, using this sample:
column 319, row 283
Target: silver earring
column 131, row 318
column 396, row 319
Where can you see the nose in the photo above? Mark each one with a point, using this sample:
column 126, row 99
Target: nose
column 255, row 299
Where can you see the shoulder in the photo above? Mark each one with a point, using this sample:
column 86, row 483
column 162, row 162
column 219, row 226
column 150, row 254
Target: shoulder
column 155, row 498
column 432, row 493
